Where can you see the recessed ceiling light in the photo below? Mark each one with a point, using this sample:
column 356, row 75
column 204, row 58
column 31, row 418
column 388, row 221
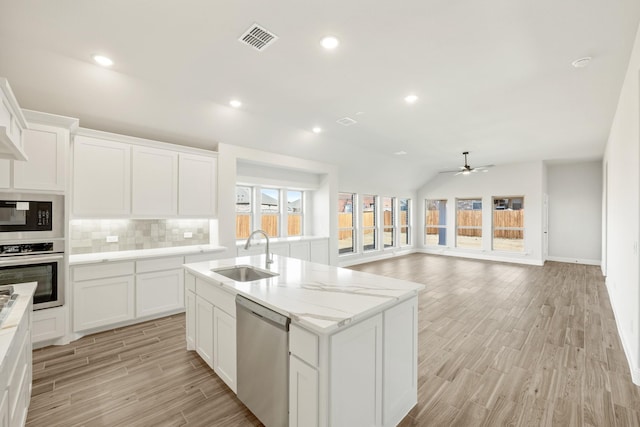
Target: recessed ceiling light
column 400, row 153
column 329, row 42
column 102, row 60
column 359, row 113
column 411, row 99
column 317, row 129
column 235, row 103
column 582, row 62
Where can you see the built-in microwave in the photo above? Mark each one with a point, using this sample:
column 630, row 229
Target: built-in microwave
column 31, row 216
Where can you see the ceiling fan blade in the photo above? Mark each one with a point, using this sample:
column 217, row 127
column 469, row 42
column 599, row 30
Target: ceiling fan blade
column 485, row 167
column 452, row 171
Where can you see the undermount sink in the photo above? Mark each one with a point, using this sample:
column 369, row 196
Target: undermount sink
column 244, row 273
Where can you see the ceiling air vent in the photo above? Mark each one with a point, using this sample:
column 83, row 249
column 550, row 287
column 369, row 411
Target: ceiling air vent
column 346, row 121
column 258, row 37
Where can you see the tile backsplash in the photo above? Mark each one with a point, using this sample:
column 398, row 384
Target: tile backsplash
column 88, row 236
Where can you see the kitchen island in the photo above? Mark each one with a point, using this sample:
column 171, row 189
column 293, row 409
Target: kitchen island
column 352, row 340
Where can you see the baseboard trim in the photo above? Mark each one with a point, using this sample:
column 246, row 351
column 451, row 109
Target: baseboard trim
column 635, row 369
column 362, row 259
column 480, row 256
column 575, row 260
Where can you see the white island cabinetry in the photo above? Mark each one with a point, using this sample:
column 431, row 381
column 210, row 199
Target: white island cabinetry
column 352, row 339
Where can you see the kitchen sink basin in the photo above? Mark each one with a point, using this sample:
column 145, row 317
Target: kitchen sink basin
column 244, row 273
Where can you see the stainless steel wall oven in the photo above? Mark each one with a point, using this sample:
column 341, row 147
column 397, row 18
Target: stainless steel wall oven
column 41, row 262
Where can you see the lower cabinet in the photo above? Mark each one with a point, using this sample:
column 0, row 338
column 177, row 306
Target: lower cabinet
column 224, row 347
column 204, row 330
column 101, row 302
column 303, row 394
column 313, row 250
column 211, row 329
column 159, row 292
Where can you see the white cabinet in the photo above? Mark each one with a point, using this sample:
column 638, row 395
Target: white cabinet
column 319, row 251
column 215, row 327
column 190, row 305
column 154, row 180
column 299, row 250
column 303, row 394
column 159, row 292
column 49, row 324
column 197, row 185
column 204, row 330
column 12, row 124
column 101, row 178
column 46, row 147
column 224, row 347
column 5, row 173
column 101, row 302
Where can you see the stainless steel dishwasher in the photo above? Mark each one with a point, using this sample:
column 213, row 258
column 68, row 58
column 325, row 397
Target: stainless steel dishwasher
column 263, row 361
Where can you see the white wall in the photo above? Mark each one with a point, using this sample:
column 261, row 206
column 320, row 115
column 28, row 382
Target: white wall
column 288, row 169
column 622, row 163
column 520, row 179
column 575, row 211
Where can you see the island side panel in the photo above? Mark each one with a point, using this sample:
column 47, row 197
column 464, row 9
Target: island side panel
column 400, row 361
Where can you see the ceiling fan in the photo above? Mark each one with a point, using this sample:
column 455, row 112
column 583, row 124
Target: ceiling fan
column 467, row 169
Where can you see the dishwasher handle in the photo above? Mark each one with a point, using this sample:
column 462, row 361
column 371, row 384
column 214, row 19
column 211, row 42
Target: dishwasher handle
column 273, row 317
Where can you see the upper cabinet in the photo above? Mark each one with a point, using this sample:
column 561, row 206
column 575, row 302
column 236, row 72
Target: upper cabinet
column 46, row 144
column 122, row 177
column 154, row 180
column 12, row 124
column 198, row 185
column 101, row 178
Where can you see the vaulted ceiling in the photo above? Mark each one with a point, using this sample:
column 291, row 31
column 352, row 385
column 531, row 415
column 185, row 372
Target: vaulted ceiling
column 493, row 77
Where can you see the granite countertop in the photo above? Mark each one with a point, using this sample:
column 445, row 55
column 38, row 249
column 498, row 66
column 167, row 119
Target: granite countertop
column 318, row 297
column 143, row 253
column 9, row 326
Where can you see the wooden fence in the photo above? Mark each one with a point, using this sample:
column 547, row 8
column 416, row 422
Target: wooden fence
column 269, row 224
column 470, row 218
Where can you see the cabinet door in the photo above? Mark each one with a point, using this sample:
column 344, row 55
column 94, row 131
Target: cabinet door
column 46, row 147
column 159, row 292
column 356, row 375
column 198, row 181
column 319, row 251
column 400, row 360
column 101, row 178
column 299, row 250
column 102, row 302
column 154, row 191
column 5, row 173
column 48, row 324
column 204, row 330
column 303, row 394
column 190, row 303
column 224, row 347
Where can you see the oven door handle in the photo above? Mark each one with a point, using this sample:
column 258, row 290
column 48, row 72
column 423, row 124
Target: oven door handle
column 20, row 260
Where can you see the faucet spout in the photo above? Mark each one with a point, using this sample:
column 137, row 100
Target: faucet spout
column 269, row 260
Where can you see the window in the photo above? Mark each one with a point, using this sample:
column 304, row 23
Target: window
column 269, row 210
column 258, row 207
column 369, row 222
column 436, row 222
column 404, row 219
column 294, row 213
column 469, row 223
column 346, row 221
column 388, row 221
column 508, row 224
column 243, row 211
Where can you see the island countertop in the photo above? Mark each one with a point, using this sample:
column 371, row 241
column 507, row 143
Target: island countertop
column 319, row 297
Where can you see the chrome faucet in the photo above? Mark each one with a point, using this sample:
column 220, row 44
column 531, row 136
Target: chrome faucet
column 269, row 260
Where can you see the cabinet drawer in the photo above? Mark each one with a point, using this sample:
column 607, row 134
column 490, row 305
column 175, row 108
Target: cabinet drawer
column 102, row 270
column 222, row 299
column 159, row 264
column 207, row 256
column 303, row 344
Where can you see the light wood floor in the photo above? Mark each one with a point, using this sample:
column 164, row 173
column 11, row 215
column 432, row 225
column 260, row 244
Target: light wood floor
column 499, row 344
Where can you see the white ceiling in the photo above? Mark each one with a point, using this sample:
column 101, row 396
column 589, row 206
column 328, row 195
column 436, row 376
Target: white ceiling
column 494, row 77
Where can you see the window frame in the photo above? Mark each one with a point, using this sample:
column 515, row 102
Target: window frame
column 494, row 228
column 438, row 226
column 393, row 227
column 248, row 214
column 353, row 228
column 371, row 228
column 407, row 225
column 473, row 200
column 286, row 214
